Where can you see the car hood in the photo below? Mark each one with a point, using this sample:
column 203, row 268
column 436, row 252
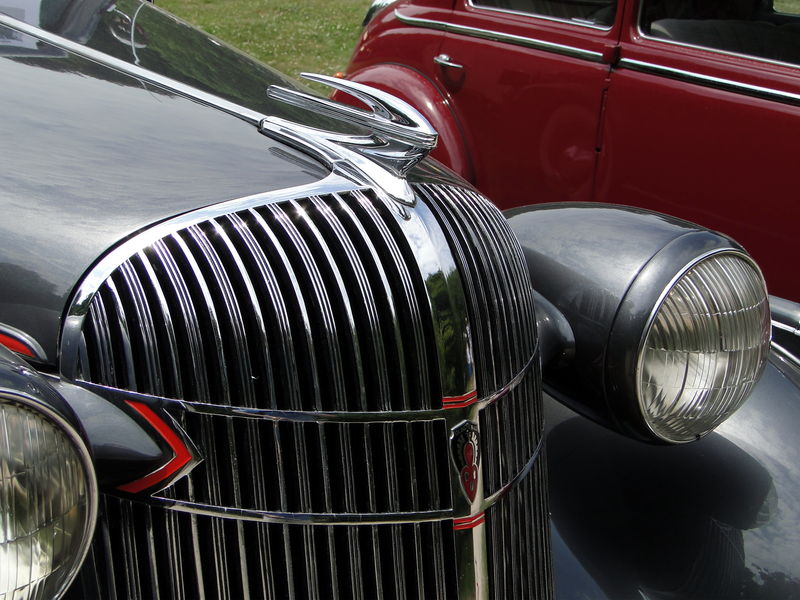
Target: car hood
column 92, row 155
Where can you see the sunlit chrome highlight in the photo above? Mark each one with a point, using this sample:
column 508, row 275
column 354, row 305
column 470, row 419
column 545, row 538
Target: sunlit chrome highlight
column 397, row 138
column 705, row 348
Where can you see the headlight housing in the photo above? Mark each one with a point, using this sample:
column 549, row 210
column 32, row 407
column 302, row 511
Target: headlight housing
column 704, row 348
column 48, row 500
column 668, row 322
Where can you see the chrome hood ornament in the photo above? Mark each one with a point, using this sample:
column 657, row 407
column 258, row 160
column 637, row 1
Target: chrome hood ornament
column 400, row 136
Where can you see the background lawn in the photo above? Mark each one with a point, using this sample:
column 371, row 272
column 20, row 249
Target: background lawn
column 290, row 35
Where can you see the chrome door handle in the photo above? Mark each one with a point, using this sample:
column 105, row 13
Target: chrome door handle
column 444, row 60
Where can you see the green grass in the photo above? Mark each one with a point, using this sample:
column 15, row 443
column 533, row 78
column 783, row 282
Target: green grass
column 788, row 6
column 290, row 35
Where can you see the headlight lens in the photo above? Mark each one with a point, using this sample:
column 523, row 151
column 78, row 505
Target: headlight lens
column 705, row 347
column 48, row 501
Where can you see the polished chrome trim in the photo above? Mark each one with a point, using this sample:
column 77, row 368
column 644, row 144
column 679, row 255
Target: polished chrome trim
column 444, row 60
column 512, row 483
column 92, row 492
column 298, row 416
column 653, row 38
column 400, row 136
column 265, row 516
column 719, row 83
column 182, row 89
column 785, row 354
column 115, row 258
column 497, row 36
column 784, row 327
column 375, row 8
column 38, row 352
column 507, row 11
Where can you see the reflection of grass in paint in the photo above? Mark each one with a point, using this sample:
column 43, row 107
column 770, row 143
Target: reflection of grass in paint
column 290, row 35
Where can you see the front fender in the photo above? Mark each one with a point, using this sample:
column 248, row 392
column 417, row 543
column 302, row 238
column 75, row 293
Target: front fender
column 419, row 91
column 718, row 518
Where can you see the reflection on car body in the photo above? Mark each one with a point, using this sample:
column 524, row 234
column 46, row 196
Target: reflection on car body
column 690, row 108
column 253, row 344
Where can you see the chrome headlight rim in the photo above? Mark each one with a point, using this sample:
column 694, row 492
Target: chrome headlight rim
column 92, row 489
column 651, row 319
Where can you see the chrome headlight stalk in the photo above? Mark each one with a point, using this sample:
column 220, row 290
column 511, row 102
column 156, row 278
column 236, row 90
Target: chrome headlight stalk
column 48, row 499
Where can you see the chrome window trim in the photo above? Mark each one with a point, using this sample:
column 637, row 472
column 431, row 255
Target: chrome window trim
column 497, row 36
column 647, row 36
column 508, row 11
column 719, row 83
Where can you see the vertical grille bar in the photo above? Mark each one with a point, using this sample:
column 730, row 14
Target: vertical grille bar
column 514, row 529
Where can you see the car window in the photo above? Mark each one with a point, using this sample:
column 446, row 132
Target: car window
column 752, row 27
column 789, row 7
column 594, row 12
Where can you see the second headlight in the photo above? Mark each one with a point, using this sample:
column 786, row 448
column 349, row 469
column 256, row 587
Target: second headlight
column 704, row 348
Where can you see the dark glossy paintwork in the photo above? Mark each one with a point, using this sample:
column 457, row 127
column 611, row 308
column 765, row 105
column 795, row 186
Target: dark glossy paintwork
column 93, row 156
column 718, row 518
column 18, row 378
column 610, row 509
column 541, row 126
column 124, row 448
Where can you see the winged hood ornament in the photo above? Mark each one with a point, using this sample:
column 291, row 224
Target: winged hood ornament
column 399, row 137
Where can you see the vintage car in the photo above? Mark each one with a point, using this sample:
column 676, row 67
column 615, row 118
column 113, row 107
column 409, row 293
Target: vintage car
column 253, row 344
column 687, row 107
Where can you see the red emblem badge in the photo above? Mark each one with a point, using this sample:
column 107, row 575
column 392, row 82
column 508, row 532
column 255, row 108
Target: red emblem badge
column 465, row 451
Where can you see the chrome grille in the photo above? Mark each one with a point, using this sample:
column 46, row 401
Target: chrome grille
column 302, row 305
column 141, row 552
column 500, row 304
column 496, row 283
column 318, row 306
column 519, row 544
column 313, row 467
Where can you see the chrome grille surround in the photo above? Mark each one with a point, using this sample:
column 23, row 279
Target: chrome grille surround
column 354, row 290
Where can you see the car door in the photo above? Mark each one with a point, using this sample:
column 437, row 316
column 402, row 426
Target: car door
column 526, row 80
column 703, row 119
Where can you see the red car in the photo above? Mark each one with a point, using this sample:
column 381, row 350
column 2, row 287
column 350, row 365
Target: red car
column 687, row 107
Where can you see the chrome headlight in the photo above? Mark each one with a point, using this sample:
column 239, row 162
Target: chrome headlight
column 48, row 500
column 704, row 348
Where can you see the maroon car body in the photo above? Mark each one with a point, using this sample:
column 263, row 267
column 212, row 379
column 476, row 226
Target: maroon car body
column 690, row 108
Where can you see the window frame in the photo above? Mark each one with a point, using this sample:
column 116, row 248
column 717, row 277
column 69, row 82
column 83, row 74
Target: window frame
column 581, row 23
